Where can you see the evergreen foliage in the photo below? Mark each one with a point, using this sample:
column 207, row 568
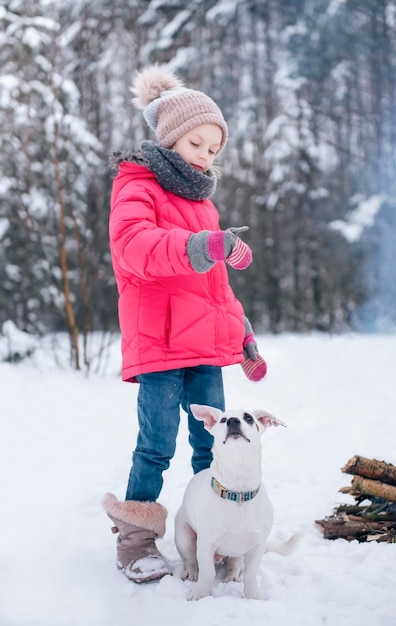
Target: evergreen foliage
column 308, row 89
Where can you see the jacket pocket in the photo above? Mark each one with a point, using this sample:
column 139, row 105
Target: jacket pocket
column 191, row 326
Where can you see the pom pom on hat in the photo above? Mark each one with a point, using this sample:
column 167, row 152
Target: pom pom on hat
column 172, row 110
column 151, row 82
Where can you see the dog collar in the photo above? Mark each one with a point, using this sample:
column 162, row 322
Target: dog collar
column 235, row 496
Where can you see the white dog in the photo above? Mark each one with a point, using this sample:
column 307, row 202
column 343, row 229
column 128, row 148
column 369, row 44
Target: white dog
column 226, row 515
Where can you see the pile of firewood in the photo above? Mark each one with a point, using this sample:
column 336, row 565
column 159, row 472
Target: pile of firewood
column 373, row 516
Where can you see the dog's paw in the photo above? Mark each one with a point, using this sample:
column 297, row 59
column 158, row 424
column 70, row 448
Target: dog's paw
column 253, row 593
column 233, row 569
column 190, row 573
column 232, row 579
column 197, row 594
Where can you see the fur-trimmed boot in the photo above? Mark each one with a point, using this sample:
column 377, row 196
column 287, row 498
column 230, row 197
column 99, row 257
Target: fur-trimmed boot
column 138, row 525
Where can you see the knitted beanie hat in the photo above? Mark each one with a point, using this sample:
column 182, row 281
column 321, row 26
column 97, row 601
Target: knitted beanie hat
column 172, row 110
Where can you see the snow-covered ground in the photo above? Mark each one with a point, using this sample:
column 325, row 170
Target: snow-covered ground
column 66, row 439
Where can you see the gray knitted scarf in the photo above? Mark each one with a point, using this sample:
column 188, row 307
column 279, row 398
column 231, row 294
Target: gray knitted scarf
column 171, row 170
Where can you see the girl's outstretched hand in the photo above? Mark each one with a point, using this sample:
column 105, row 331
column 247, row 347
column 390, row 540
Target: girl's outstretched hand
column 207, row 247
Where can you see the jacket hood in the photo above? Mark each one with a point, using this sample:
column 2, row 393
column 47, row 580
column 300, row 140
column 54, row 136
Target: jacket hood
column 127, row 156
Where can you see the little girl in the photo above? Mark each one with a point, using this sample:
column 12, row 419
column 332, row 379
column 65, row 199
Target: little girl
column 179, row 319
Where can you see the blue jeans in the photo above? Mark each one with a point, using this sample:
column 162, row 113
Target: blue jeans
column 160, row 396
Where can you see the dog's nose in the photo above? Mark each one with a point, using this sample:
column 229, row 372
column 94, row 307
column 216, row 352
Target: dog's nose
column 233, row 422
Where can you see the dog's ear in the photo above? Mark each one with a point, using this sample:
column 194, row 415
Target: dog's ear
column 206, row 414
column 266, row 419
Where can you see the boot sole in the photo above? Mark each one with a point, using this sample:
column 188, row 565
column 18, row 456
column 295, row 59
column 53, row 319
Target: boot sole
column 142, row 580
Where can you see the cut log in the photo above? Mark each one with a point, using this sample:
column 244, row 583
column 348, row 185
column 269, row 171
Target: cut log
column 376, row 512
column 361, row 530
column 374, row 481
column 371, row 468
column 373, row 488
column 352, row 492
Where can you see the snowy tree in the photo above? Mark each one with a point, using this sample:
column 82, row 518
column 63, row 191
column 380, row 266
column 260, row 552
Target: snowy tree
column 47, row 157
column 308, row 90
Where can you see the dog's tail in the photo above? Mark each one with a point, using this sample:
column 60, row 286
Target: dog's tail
column 284, row 548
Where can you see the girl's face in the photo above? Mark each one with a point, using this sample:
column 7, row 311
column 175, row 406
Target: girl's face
column 199, row 146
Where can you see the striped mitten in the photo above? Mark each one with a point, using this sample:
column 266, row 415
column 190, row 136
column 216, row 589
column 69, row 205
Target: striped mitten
column 207, row 247
column 254, row 365
column 240, row 256
column 255, row 370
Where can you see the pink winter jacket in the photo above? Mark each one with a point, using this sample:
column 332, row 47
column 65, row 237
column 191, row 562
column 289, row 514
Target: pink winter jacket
column 170, row 316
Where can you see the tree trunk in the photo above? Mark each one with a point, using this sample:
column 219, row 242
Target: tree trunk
column 70, row 317
column 370, row 468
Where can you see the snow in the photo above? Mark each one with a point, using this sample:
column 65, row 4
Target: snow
column 333, row 7
column 170, row 31
column 221, row 11
column 66, row 439
column 33, row 38
column 363, row 216
column 15, row 344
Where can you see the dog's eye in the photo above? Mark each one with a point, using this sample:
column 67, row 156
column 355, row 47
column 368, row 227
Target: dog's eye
column 248, row 418
column 223, row 419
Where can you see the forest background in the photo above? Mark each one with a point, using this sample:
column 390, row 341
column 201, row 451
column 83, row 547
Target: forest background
column 308, row 88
